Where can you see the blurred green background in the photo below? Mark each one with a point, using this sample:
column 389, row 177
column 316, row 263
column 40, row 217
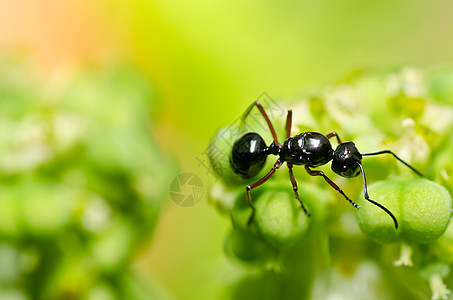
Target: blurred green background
column 199, row 64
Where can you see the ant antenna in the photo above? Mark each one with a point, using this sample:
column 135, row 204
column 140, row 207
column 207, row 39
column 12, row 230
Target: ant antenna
column 365, row 193
column 394, row 155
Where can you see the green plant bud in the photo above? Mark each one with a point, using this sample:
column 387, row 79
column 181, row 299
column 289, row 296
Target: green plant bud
column 373, row 221
column 248, row 247
column 426, row 211
column 280, row 218
column 422, row 208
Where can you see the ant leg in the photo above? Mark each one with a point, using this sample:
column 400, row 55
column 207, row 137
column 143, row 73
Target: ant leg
column 334, row 134
column 257, row 184
column 390, row 152
column 365, row 193
column 295, row 188
column 289, row 119
column 332, row 184
column 265, row 116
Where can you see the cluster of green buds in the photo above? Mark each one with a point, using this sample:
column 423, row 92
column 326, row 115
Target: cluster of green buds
column 288, row 254
column 81, row 181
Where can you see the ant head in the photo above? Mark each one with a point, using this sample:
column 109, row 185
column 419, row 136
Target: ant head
column 346, row 160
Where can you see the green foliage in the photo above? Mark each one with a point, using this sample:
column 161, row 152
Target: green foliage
column 81, row 181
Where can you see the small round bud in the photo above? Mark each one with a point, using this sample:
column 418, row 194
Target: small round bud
column 280, row 219
column 422, row 207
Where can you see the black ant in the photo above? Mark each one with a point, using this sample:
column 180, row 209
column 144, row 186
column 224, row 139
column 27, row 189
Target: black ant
column 311, row 149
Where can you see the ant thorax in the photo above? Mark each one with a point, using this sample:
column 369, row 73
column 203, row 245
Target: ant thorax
column 307, row 148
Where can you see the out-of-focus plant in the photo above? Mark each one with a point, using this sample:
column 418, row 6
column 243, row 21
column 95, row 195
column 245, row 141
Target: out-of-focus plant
column 81, row 182
column 290, row 256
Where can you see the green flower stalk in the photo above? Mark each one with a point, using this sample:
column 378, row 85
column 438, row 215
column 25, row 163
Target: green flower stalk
column 405, row 256
column 436, row 274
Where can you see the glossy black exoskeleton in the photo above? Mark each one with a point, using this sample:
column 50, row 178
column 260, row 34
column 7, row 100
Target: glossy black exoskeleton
column 310, row 149
column 249, row 155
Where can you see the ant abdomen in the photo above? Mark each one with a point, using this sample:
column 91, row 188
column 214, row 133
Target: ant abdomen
column 248, row 155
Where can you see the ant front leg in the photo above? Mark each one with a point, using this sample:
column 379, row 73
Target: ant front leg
column 257, row 184
column 295, row 188
column 332, row 184
column 265, row 116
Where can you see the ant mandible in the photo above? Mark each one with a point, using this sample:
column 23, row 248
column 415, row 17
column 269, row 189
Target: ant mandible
column 311, row 149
